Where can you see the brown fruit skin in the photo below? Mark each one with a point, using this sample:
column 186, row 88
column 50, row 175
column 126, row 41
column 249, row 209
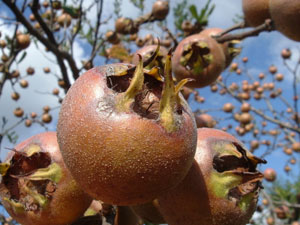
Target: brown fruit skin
column 286, row 16
column 270, row 174
column 46, row 118
column 228, row 107
column 224, row 46
column 205, row 120
column 147, row 51
column 18, row 112
column 125, row 26
column 256, row 12
column 192, row 202
column 286, row 53
column 210, row 73
column 64, row 19
column 296, row 147
column 23, row 41
column 160, row 9
column 68, row 201
column 149, row 212
column 125, row 169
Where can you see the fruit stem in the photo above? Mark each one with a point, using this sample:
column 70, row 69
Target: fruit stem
column 169, row 99
column 136, row 85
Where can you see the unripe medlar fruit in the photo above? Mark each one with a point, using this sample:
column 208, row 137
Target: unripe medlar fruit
column 221, row 187
column 285, row 15
column 18, row 112
column 23, row 41
column 296, row 146
column 112, row 37
column 270, row 174
column 160, row 9
column 37, row 188
column 228, row 107
column 126, row 135
column 64, row 20
column 200, row 58
column 256, row 12
column 147, row 51
column 125, row 26
column 286, row 53
column 205, row 120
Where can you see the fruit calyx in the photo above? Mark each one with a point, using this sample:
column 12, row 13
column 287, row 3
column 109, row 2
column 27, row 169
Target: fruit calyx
column 235, row 168
column 196, row 56
column 29, row 179
column 147, row 92
column 233, row 50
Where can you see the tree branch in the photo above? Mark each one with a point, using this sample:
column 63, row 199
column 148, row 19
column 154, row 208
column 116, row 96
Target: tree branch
column 224, row 37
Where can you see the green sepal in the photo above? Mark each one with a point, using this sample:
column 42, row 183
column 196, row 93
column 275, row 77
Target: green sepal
column 222, row 183
column 125, row 100
column 3, row 168
column 16, row 206
column 41, row 200
column 52, row 172
column 168, row 101
column 32, row 149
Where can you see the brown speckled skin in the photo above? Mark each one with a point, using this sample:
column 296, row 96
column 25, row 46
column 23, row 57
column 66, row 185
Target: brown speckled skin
column 191, row 203
column 286, row 16
column 256, row 12
column 120, row 158
column 210, row 73
column 68, row 202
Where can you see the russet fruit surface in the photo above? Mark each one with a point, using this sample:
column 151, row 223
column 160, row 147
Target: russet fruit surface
column 37, row 188
column 286, row 16
column 256, row 11
column 126, row 149
column 220, row 188
column 146, row 53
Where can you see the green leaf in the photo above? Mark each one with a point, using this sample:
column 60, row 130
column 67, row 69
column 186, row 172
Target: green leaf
column 22, row 57
column 71, row 10
column 193, row 11
column 211, row 10
column 138, row 3
column 180, row 14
